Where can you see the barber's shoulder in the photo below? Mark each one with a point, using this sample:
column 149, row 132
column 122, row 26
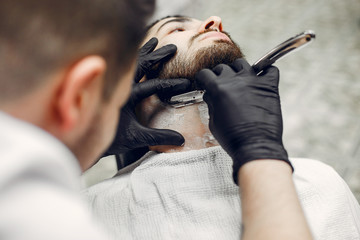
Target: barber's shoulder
column 41, row 209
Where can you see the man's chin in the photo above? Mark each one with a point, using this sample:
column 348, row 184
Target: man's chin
column 221, row 52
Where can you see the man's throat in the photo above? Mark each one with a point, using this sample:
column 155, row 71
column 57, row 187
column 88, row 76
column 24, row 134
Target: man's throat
column 191, row 121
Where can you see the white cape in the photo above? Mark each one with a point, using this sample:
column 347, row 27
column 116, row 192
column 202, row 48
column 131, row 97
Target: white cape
column 191, row 195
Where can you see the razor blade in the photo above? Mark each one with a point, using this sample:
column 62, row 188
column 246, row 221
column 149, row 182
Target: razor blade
column 295, row 43
column 186, row 99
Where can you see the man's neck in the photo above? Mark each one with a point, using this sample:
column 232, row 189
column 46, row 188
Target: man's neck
column 191, row 121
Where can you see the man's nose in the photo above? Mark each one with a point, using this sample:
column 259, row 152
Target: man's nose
column 213, row 22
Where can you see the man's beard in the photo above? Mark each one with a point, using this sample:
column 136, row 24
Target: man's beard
column 182, row 66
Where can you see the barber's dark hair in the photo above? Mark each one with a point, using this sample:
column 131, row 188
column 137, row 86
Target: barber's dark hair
column 38, row 37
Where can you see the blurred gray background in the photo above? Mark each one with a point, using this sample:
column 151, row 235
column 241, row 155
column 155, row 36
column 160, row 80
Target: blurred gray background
column 319, row 85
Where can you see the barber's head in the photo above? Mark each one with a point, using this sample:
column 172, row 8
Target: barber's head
column 200, row 44
column 67, row 66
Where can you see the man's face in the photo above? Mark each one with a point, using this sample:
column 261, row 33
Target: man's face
column 200, row 44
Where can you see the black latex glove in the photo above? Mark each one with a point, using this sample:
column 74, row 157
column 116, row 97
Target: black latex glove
column 131, row 137
column 131, row 134
column 148, row 58
column 245, row 112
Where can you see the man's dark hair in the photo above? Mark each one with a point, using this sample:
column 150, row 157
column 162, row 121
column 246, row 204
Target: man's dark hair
column 38, row 37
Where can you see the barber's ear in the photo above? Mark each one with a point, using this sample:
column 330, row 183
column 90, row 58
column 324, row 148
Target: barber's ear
column 80, row 93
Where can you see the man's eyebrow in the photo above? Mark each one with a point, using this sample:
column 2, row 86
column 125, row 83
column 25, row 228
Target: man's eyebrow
column 178, row 19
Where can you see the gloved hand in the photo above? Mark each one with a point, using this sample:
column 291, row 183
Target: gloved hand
column 131, row 134
column 147, row 57
column 131, row 137
column 245, row 112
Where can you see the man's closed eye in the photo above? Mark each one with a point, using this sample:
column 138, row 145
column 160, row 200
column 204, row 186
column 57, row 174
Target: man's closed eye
column 177, row 30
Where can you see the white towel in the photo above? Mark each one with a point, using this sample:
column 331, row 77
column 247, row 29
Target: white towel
column 190, row 195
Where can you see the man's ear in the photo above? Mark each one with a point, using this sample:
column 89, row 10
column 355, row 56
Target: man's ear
column 80, row 93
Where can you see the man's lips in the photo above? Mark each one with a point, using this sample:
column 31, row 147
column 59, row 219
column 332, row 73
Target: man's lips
column 214, row 34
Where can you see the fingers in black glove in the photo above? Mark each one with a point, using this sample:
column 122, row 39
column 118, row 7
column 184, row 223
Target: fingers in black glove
column 165, row 87
column 148, row 47
column 245, row 111
column 156, row 137
column 148, row 57
column 130, row 133
column 241, row 64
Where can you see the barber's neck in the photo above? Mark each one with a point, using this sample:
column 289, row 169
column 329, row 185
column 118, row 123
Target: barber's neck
column 191, row 121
